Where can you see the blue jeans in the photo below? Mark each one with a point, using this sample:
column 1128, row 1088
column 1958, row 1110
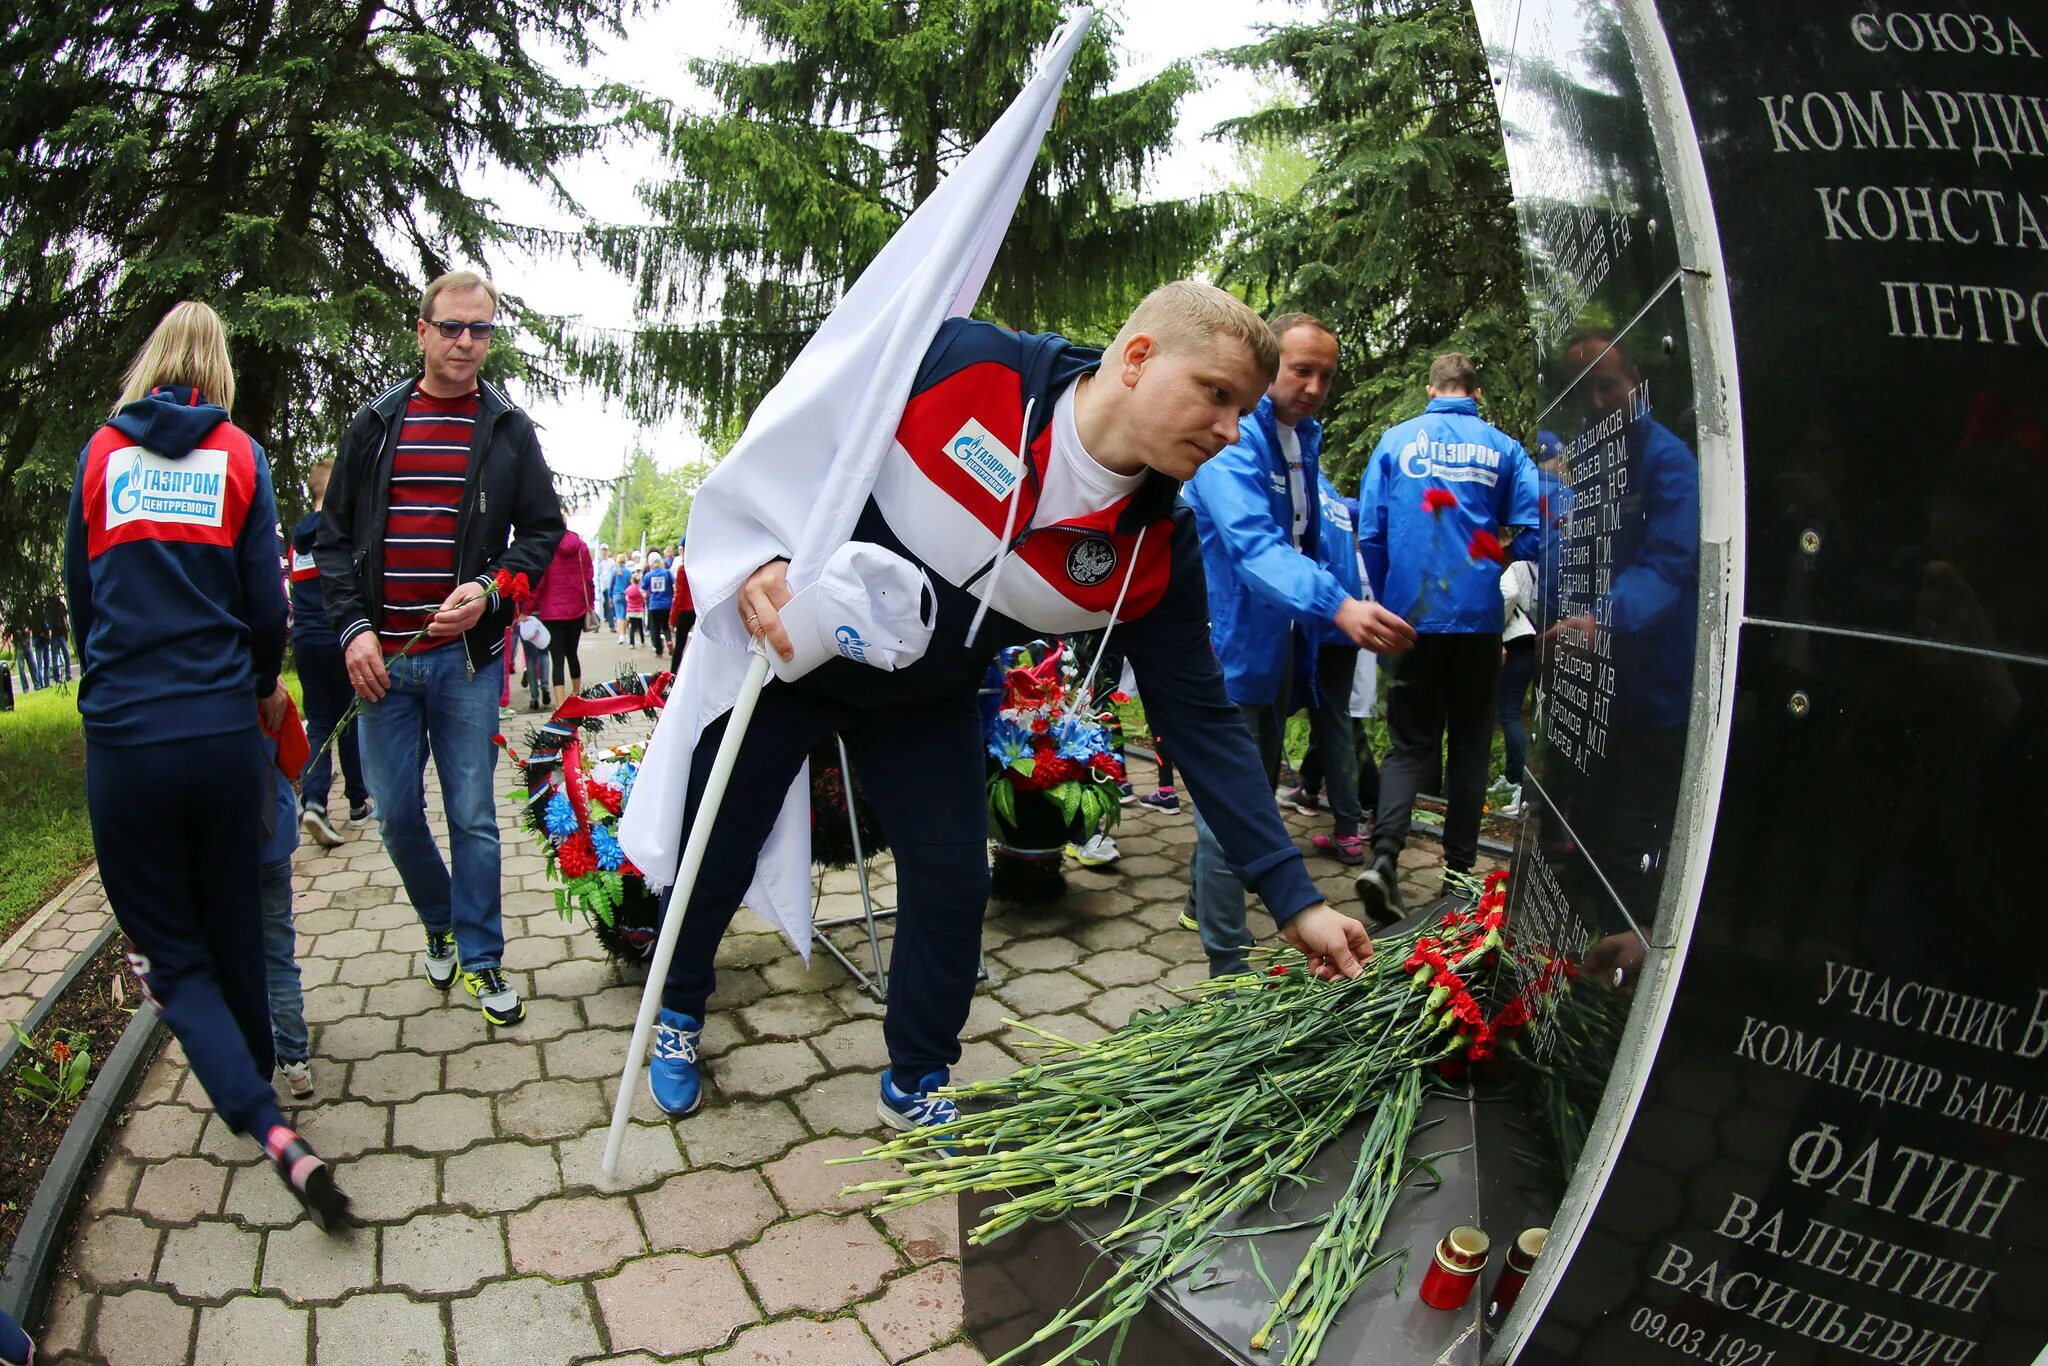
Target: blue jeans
column 1215, row 891
column 434, row 697
column 281, row 963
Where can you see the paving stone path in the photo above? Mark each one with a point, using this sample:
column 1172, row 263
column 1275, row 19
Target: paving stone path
column 35, row 952
column 489, row 1234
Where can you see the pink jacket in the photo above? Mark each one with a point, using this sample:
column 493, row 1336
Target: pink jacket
column 565, row 589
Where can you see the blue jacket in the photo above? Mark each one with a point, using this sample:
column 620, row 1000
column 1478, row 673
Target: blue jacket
column 1337, row 550
column 171, row 566
column 1651, row 607
column 1260, row 586
column 310, row 627
column 661, row 590
column 1417, row 561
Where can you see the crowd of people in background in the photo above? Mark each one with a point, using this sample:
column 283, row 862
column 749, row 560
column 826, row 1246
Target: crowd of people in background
column 644, row 596
column 435, row 561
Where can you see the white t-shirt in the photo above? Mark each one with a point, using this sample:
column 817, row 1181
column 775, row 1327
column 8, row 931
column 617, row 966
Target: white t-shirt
column 1297, row 489
column 1076, row 483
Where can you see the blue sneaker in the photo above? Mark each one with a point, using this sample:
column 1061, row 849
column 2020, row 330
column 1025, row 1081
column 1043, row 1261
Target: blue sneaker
column 672, row 1066
column 901, row 1109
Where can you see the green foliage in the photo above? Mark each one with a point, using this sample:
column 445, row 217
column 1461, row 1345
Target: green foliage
column 819, row 151
column 298, row 166
column 651, row 502
column 53, row 1073
column 1403, row 235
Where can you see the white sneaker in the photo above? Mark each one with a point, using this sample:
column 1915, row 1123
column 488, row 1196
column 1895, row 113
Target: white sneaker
column 622, row 640
column 313, row 820
column 1512, row 807
column 1096, row 852
column 299, row 1077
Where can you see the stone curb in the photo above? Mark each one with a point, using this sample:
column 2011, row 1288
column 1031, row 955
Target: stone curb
column 40, row 1243
column 41, row 917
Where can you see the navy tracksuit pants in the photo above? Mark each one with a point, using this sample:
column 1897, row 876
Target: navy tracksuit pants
column 921, row 767
column 176, row 826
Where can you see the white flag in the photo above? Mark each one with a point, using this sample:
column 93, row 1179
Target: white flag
column 796, row 481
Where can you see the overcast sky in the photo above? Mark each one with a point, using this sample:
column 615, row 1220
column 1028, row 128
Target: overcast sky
column 582, row 435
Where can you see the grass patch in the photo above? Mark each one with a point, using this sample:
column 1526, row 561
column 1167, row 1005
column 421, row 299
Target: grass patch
column 45, row 834
column 45, row 837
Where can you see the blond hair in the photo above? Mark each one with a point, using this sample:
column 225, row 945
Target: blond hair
column 1188, row 312
column 316, row 481
column 455, row 279
column 190, row 347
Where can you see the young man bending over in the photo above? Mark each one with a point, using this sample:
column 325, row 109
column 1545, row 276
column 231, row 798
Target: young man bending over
column 1079, row 456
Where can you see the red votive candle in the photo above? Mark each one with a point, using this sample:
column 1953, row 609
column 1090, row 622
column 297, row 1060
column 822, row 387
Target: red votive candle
column 1460, row 1257
column 1521, row 1260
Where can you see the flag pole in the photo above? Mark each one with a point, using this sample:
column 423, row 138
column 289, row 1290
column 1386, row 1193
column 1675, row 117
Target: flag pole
column 737, row 721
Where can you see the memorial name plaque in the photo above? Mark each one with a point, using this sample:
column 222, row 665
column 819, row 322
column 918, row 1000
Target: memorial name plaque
column 1789, row 275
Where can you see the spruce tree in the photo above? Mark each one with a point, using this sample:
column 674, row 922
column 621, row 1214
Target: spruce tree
column 820, row 150
column 1403, row 237
column 298, row 164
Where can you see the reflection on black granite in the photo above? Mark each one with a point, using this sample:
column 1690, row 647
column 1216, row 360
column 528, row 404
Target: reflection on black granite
column 1588, row 190
column 1619, row 588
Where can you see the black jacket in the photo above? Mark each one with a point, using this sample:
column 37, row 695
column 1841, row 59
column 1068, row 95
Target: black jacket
column 510, row 518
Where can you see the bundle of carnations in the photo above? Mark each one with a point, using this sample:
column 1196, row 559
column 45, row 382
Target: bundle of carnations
column 1194, row 1113
column 573, row 797
column 1047, row 748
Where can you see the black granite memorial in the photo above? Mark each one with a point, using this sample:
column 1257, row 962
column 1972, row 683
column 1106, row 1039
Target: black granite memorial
column 1831, row 1147
column 1788, row 274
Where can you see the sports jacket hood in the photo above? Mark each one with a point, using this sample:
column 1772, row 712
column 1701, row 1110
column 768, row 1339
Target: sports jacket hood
column 171, row 420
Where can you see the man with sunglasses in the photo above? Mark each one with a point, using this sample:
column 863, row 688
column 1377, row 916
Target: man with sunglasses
column 440, row 484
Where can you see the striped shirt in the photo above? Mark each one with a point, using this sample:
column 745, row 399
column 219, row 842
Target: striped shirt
column 428, row 470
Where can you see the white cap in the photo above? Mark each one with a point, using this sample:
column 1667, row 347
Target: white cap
column 870, row 605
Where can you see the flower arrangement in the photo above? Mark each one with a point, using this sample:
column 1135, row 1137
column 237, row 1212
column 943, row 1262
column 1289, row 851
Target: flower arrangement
column 1159, row 1119
column 831, row 830
column 1045, row 746
column 574, row 796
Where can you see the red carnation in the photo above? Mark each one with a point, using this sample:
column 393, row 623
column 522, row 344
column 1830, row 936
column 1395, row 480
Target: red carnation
column 1056, row 770
column 1039, row 725
column 1496, row 878
column 1107, row 765
column 576, row 857
column 1436, row 502
column 1119, row 697
column 1486, row 546
column 1276, row 971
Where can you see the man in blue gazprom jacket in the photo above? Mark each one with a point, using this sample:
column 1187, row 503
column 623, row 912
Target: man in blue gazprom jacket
column 1271, row 602
column 1433, row 485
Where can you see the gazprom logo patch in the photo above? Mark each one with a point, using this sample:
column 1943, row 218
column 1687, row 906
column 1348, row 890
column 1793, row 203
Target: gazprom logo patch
column 994, row 466
column 144, row 486
column 851, row 645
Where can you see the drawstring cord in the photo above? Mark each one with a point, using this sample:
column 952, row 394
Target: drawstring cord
column 1088, row 683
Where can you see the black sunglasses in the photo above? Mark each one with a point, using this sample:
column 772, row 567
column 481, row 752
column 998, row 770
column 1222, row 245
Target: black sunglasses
column 481, row 331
